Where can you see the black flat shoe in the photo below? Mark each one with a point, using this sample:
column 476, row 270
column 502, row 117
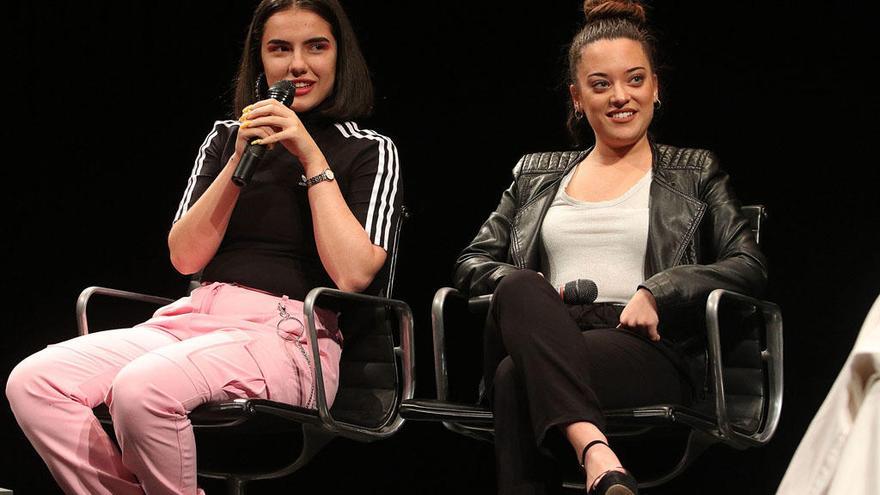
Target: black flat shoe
column 615, row 483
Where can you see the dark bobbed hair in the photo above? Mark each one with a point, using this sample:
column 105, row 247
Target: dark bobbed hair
column 352, row 95
column 606, row 20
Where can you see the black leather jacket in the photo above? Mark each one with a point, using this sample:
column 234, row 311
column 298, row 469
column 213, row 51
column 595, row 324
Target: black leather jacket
column 698, row 240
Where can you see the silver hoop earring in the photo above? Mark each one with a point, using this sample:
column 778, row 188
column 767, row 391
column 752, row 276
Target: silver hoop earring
column 578, row 115
column 658, row 103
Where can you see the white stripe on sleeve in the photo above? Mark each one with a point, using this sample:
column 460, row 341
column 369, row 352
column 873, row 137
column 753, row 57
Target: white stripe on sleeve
column 197, row 167
column 390, row 186
column 381, row 208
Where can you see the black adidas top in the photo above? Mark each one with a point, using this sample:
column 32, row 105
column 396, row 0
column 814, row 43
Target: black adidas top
column 270, row 242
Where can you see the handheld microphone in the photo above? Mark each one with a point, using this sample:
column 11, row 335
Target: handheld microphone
column 282, row 91
column 580, row 291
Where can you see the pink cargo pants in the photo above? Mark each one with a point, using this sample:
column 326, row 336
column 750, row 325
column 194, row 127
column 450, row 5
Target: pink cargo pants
column 221, row 342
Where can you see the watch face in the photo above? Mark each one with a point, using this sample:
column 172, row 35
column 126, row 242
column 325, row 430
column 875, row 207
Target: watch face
column 329, row 174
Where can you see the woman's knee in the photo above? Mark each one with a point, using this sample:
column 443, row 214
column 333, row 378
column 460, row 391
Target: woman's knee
column 31, row 383
column 517, row 295
column 137, row 395
column 35, row 385
column 519, row 286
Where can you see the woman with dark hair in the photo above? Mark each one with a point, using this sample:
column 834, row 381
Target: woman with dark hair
column 319, row 210
column 655, row 226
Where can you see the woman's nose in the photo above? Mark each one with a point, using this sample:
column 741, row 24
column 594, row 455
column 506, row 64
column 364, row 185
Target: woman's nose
column 297, row 65
column 619, row 97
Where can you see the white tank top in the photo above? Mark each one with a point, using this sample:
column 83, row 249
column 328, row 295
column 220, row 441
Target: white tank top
column 604, row 241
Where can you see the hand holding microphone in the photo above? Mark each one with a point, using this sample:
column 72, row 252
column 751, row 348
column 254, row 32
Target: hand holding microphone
column 283, row 91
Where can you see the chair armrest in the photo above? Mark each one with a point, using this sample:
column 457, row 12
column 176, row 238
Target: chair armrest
column 406, row 352
column 771, row 357
column 444, row 298
column 480, row 304
column 83, row 300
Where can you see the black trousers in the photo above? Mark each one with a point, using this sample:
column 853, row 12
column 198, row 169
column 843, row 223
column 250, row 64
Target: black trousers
column 549, row 365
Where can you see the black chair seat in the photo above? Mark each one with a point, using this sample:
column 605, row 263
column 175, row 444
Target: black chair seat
column 234, row 412
column 437, row 410
column 618, row 419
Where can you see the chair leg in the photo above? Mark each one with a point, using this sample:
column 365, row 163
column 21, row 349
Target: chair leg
column 235, row 485
column 697, row 443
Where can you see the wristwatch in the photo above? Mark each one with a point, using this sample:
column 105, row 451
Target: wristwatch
column 327, row 174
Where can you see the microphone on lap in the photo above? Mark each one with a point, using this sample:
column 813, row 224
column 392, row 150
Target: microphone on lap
column 282, row 91
column 580, row 291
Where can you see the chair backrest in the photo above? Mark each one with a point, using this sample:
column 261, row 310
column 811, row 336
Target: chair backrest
column 756, row 215
column 744, row 374
column 368, row 371
column 745, row 377
column 390, row 268
column 368, row 383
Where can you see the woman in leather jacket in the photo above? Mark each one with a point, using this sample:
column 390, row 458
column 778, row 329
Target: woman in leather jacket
column 657, row 227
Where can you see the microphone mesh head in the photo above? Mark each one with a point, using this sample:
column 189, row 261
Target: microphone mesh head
column 587, row 290
column 283, row 91
column 580, row 291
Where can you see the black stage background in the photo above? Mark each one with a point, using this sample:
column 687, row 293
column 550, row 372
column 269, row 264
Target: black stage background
column 110, row 100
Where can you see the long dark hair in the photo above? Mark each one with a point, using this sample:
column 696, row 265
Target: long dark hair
column 352, row 95
column 606, row 20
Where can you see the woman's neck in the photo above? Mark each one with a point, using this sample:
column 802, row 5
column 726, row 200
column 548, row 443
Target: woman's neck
column 636, row 153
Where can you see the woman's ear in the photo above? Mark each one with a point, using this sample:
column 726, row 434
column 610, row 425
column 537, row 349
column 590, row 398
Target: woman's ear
column 656, row 87
column 575, row 94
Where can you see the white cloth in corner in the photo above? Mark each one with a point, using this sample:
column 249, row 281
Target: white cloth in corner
column 840, row 453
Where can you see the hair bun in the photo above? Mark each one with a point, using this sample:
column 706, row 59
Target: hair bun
column 630, row 10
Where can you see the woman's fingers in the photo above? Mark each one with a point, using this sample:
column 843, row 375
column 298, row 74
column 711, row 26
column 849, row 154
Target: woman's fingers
column 640, row 314
column 272, row 114
column 646, row 328
column 265, row 107
column 270, row 121
column 255, row 133
column 247, row 135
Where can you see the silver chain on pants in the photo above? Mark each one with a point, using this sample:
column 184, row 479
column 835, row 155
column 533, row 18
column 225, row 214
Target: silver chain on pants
column 285, row 316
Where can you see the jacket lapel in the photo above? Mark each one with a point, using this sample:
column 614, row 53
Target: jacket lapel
column 673, row 220
column 526, row 242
